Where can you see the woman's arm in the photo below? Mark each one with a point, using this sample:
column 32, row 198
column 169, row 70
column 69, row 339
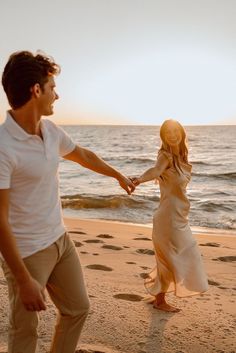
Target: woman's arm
column 154, row 172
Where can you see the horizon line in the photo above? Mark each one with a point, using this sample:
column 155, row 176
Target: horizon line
column 95, row 124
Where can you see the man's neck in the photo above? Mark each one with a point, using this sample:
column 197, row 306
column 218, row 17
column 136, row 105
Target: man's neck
column 28, row 120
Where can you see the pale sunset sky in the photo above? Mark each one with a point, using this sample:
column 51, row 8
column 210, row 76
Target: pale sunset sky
column 131, row 61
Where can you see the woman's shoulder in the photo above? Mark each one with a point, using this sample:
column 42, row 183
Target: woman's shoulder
column 162, row 153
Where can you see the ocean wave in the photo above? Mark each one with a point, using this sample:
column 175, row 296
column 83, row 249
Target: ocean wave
column 205, row 163
column 211, row 206
column 111, row 201
column 228, row 224
column 209, row 195
column 130, row 160
column 198, row 163
column 225, row 176
column 140, row 209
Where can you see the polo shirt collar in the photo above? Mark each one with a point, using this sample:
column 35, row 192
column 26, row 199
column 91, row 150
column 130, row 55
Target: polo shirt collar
column 14, row 129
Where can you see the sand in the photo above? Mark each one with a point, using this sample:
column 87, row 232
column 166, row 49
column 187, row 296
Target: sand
column 115, row 259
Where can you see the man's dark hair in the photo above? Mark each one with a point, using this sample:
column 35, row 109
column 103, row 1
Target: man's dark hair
column 22, row 71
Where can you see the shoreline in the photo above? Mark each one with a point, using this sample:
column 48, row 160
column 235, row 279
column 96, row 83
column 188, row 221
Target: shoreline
column 195, row 229
column 115, row 258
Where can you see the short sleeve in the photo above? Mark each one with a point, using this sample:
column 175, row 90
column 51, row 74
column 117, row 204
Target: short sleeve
column 6, row 169
column 66, row 144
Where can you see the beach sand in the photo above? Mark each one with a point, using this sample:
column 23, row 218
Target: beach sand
column 115, row 258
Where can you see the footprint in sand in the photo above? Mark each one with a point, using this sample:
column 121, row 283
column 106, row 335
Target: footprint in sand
column 201, row 298
column 77, row 243
column 3, row 283
column 225, row 258
column 105, row 236
column 95, row 254
column 87, row 351
column 93, row 241
column 145, row 251
column 131, row 263
column 222, row 287
column 148, row 239
column 95, row 350
column 129, row 297
column 213, row 283
column 112, row 247
column 143, row 275
column 76, row 232
column 83, row 252
column 99, row 267
column 216, row 245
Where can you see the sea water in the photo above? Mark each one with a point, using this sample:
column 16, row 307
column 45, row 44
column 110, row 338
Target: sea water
column 132, row 150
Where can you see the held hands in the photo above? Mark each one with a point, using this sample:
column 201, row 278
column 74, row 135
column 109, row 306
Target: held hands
column 129, row 184
column 126, row 184
column 135, row 180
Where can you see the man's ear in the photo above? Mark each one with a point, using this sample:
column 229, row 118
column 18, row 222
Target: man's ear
column 36, row 90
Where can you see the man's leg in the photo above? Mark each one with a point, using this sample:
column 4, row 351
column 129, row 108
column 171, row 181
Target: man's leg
column 67, row 290
column 22, row 336
column 22, row 331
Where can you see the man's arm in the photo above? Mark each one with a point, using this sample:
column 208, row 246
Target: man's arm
column 30, row 290
column 90, row 160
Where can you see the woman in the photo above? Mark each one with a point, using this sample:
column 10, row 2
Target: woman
column 179, row 266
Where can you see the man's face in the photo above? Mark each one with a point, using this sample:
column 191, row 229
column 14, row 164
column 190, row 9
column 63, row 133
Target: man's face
column 47, row 97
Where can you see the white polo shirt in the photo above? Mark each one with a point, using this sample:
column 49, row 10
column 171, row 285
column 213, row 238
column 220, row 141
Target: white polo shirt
column 29, row 168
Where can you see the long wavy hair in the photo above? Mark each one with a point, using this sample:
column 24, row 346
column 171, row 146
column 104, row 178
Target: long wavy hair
column 183, row 149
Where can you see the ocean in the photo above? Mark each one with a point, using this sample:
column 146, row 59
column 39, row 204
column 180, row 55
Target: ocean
column 133, row 149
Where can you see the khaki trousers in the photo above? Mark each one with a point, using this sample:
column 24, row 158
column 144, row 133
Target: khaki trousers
column 58, row 269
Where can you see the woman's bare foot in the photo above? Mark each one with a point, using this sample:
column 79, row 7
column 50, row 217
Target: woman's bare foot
column 165, row 307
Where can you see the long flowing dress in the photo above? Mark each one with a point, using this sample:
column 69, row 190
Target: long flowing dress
column 179, row 266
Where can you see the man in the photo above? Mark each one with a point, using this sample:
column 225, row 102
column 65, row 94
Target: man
column 36, row 250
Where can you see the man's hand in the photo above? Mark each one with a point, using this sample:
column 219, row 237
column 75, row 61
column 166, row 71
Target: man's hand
column 32, row 295
column 30, row 291
column 126, row 184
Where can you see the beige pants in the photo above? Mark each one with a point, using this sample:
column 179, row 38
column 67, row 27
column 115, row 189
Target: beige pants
column 58, row 269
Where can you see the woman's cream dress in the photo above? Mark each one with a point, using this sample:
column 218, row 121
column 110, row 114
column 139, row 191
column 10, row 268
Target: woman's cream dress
column 179, row 265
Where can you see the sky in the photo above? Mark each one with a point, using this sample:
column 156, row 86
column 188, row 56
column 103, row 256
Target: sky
column 130, row 61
